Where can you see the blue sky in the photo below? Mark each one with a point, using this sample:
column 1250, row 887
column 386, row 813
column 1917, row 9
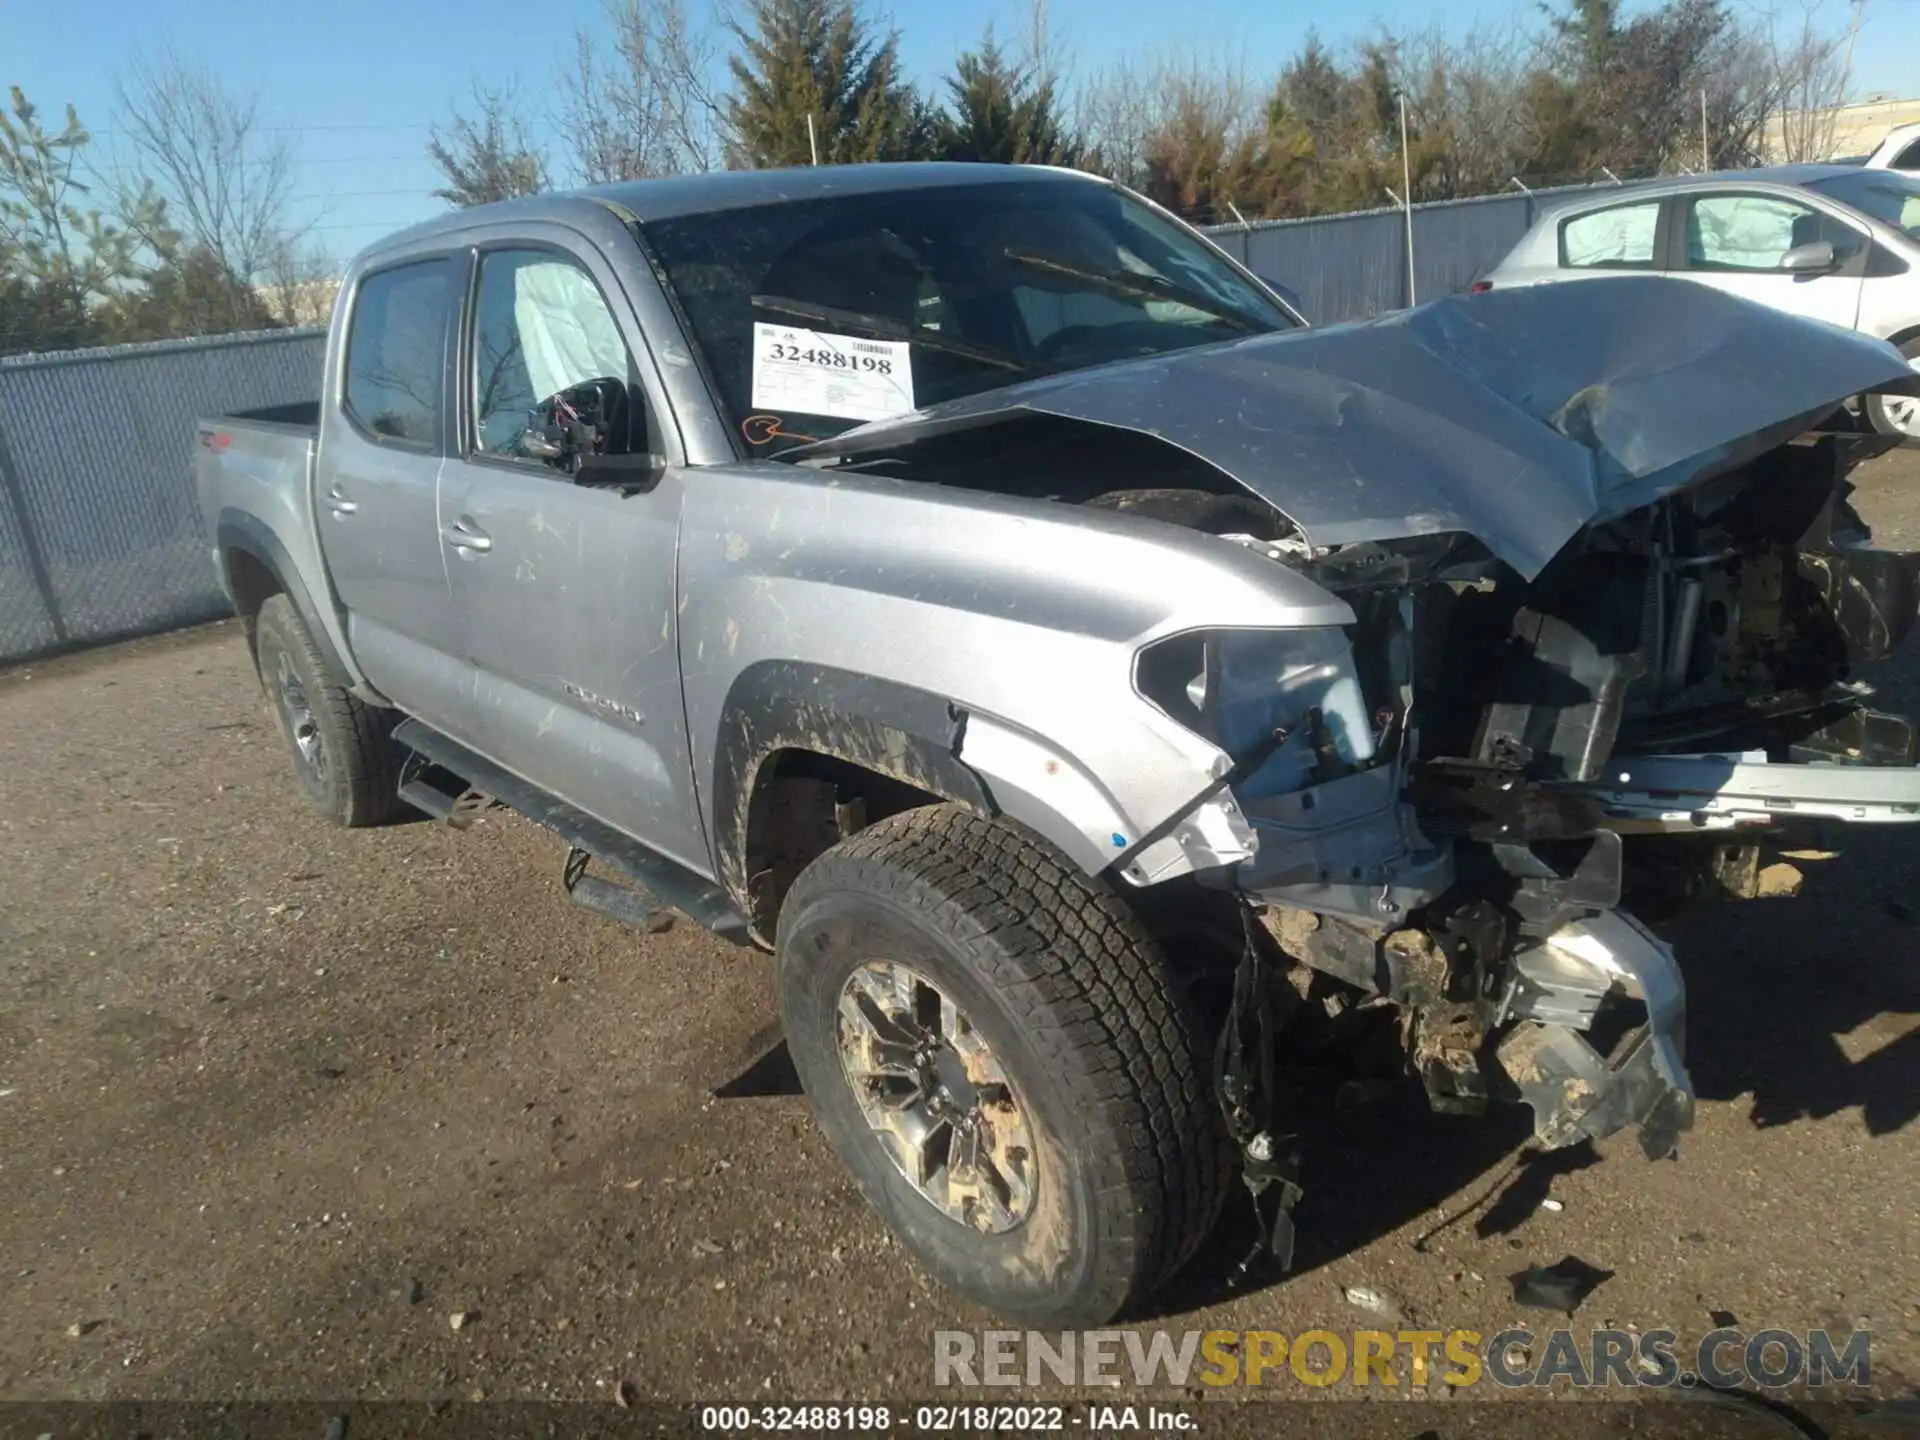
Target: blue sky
column 359, row 81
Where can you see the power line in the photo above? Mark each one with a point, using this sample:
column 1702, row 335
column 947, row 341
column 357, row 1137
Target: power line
column 370, row 224
column 289, row 129
column 294, row 162
column 359, row 194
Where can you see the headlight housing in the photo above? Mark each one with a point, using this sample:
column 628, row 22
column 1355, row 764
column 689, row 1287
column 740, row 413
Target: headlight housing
column 1281, row 701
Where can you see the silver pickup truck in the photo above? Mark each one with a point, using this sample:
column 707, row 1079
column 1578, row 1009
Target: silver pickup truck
column 974, row 587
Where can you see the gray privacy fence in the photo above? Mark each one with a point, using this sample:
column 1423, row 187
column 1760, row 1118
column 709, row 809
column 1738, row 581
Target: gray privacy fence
column 1347, row 267
column 100, row 533
column 101, row 537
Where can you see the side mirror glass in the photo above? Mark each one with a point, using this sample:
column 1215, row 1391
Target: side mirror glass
column 1814, row 258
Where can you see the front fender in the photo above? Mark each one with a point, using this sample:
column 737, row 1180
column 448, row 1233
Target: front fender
column 895, row 615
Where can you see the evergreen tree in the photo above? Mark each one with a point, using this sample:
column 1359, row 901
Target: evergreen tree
column 59, row 258
column 820, row 59
column 1003, row 112
column 188, row 293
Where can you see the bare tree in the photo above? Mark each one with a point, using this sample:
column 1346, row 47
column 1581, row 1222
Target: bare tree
column 226, row 179
column 1118, row 110
column 1809, row 85
column 487, row 155
column 300, row 281
column 1464, row 102
column 644, row 104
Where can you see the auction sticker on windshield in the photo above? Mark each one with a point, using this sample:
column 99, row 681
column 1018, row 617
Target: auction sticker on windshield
column 812, row 372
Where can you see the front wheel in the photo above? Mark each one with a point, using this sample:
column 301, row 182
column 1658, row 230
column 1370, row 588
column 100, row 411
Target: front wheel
column 998, row 1050
column 1898, row 414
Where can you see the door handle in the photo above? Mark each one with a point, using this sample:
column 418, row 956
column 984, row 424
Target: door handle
column 339, row 504
column 465, row 536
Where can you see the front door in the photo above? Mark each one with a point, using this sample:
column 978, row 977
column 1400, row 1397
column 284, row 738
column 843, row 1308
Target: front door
column 377, row 506
column 1735, row 240
column 566, row 591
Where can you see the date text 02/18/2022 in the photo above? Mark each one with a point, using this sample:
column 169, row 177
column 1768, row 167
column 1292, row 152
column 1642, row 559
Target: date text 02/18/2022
column 854, row 1418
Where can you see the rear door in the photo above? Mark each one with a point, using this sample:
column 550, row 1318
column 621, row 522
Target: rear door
column 566, row 591
column 383, row 433
column 1734, row 240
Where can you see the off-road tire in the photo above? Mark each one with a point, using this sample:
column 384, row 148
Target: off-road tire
column 1082, row 1009
column 359, row 784
column 1875, row 406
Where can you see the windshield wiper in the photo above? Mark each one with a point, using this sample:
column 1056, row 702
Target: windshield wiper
column 882, row 327
column 1132, row 284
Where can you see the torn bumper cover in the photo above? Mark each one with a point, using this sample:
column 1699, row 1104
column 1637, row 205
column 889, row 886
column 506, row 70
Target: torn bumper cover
column 1557, row 991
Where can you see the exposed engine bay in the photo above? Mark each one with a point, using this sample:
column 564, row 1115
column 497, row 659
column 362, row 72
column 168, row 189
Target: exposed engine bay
column 1459, row 806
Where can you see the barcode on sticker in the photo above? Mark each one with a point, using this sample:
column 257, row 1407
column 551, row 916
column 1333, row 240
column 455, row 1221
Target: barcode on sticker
column 867, row 347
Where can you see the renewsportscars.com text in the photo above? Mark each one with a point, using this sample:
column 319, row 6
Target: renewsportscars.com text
column 1600, row 1358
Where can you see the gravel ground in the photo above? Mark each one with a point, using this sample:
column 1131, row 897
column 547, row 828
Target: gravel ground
column 276, row 1101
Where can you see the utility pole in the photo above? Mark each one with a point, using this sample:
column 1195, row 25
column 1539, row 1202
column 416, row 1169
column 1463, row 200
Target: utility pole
column 1846, row 70
column 1406, row 187
column 1706, row 160
column 813, row 145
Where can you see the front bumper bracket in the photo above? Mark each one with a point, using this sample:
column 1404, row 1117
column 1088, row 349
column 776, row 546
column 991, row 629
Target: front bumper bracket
column 1576, row 1092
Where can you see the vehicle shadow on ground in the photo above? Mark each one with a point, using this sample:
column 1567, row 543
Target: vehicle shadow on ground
column 1772, row 986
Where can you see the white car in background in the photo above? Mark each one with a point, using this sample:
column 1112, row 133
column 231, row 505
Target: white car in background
column 1839, row 243
column 1899, row 151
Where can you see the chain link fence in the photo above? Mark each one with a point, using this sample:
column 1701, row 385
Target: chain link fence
column 1348, row 267
column 100, row 534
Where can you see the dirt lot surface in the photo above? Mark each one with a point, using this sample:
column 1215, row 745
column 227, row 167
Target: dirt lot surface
column 276, row 1101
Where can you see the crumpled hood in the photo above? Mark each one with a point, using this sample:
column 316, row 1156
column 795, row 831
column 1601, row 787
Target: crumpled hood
column 1517, row 417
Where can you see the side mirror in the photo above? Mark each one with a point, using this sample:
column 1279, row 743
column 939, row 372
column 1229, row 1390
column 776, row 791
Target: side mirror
column 631, row 474
column 1816, row 257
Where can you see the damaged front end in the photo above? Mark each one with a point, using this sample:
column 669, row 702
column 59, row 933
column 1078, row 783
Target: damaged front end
column 1609, row 605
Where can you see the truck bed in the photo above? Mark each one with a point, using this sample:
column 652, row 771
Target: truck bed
column 254, row 476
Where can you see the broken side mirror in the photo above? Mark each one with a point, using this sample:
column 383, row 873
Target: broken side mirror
column 586, row 428
column 633, row 474
column 1816, row 257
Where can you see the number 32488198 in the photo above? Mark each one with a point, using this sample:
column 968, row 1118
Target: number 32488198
column 833, row 359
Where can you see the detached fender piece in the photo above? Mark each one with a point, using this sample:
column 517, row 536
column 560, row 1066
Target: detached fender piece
column 974, row 760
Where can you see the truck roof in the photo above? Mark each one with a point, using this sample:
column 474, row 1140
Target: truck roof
column 673, row 196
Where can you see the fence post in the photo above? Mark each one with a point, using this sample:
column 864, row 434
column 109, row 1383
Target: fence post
column 30, row 540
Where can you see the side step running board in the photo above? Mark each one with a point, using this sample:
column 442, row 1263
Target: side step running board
column 439, row 792
column 653, row 882
column 628, row 904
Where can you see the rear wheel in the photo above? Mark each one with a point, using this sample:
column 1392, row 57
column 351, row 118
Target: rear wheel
column 998, row 1050
column 1898, row 414
column 342, row 748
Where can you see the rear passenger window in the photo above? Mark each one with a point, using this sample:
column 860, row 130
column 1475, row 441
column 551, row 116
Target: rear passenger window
column 1617, row 239
column 394, row 345
column 1909, row 158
